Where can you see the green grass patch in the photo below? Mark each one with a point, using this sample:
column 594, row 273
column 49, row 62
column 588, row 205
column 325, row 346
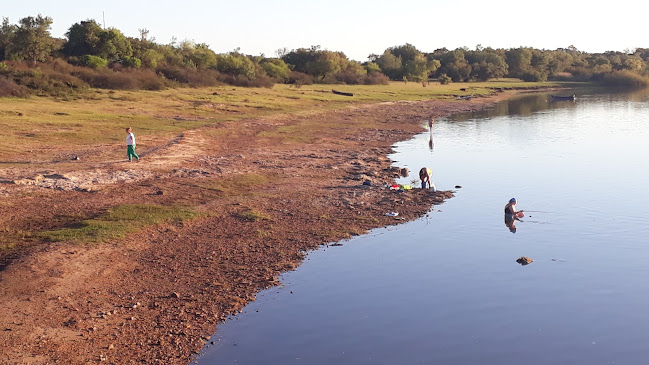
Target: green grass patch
column 10, row 239
column 118, row 222
column 238, row 184
column 252, row 215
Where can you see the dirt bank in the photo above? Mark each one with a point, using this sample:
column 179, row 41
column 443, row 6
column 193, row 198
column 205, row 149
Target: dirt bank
column 269, row 190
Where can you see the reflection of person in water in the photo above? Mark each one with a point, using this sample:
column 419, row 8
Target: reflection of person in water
column 510, row 222
column 431, row 145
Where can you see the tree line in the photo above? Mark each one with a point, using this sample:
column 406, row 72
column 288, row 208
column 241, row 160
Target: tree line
column 32, row 61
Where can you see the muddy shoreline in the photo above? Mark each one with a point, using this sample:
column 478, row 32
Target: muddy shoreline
column 157, row 295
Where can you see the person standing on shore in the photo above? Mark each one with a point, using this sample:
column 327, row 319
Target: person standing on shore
column 130, row 145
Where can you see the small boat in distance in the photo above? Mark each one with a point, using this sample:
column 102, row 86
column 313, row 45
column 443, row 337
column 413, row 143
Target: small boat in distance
column 557, row 97
column 341, row 93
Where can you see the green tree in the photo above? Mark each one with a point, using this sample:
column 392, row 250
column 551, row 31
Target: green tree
column 82, row 38
column 202, row 56
column 418, row 68
column 316, row 62
column 372, row 67
column 558, row 62
column 276, row 69
column 132, row 62
column 113, row 45
column 7, row 33
column 324, row 63
column 235, row 64
column 519, row 61
column 390, row 65
column 444, row 79
column 32, row 40
column 407, row 52
column 299, row 58
column 615, row 58
column 633, row 63
column 600, row 65
column 91, row 61
column 486, row 63
column 455, row 66
column 151, row 58
column 405, row 62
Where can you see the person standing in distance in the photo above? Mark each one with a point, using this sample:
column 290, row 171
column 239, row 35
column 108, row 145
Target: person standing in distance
column 130, row 145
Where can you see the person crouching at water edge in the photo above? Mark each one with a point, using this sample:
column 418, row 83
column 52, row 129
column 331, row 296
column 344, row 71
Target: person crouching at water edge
column 510, row 210
column 512, row 215
column 425, row 175
column 130, row 145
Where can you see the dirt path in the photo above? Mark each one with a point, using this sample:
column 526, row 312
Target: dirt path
column 158, row 294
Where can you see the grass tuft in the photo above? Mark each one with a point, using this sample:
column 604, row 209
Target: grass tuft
column 118, row 222
column 251, row 215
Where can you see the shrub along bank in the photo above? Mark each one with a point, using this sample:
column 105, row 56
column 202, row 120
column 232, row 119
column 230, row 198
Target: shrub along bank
column 34, row 62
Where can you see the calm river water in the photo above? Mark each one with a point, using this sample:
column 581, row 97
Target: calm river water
column 446, row 289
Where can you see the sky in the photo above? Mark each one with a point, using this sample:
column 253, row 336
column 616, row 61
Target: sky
column 358, row 28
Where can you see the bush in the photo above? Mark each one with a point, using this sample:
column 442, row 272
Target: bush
column 561, row 76
column 61, row 80
column 149, row 80
column 132, row 62
column 93, row 62
column 45, row 80
column 444, row 79
column 353, row 78
column 241, row 80
column 276, row 69
column 235, row 64
column 62, row 66
column 534, row 76
column 10, row 88
column 581, row 74
column 300, row 78
column 107, row 79
column 348, row 77
column 191, row 76
column 625, row 79
column 376, row 78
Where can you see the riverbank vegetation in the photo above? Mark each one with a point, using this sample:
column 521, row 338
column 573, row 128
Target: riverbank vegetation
column 90, row 56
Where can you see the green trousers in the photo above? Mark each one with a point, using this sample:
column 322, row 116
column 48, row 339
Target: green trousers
column 130, row 152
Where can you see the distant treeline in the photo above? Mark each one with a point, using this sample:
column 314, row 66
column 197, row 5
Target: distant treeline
column 32, row 61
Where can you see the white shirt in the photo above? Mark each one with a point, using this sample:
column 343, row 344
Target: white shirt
column 130, row 139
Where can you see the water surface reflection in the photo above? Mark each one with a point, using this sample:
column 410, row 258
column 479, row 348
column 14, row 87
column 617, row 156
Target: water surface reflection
column 446, row 289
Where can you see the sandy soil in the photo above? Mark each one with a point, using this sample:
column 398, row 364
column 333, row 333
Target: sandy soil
column 157, row 295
